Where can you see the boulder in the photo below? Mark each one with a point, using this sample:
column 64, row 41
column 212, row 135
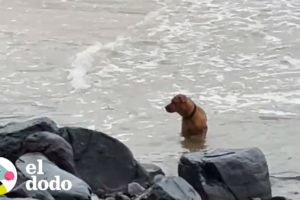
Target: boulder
column 54, row 147
column 12, row 135
column 231, row 174
column 170, row 188
column 102, row 161
column 105, row 163
column 153, row 170
column 135, row 189
column 79, row 191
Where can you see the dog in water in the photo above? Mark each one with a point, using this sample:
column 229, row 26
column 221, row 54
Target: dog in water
column 194, row 120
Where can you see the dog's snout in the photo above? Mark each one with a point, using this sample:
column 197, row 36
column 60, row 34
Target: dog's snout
column 167, row 108
column 170, row 108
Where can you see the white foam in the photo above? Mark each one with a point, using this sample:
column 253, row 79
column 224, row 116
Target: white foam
column 189, row 77
column 292, row 97
column 272, row 39
column 220, row 77
column 276, row 112
column 140, row 80
column 293, row 61
column 107, row 70
column 33, row 66
column 83, row 61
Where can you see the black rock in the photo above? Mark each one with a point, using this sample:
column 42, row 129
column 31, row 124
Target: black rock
column 153, row 170
column 54, row 147
column 135, row 189
column 105, row 163
column 227, row 174
column 21, row 191
column 102, row 161
column 13, row 134
column 170, row 188
column 79, row 191
column 158, row 177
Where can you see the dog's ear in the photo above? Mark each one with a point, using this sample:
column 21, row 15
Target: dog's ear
column 182, row 98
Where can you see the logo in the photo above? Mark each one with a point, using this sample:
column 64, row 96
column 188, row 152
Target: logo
column 8, row 176
column 39, row 182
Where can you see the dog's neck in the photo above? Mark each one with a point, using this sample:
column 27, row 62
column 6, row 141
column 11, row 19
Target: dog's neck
column 191, row 115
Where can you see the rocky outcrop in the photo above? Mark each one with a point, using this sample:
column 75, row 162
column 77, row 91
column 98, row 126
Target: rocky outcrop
column 105, row 163
column 153, row 170
column 135, row 189
column 54, row 147
column 97, row 163
column 227, row 174
column 13, row 135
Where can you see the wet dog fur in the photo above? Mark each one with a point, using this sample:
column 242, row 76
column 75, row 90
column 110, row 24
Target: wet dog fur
column 194, row 119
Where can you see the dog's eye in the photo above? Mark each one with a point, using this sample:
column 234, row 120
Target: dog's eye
column 175, row 100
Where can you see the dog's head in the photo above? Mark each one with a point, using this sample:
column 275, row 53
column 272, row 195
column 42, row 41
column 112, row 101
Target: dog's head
column 180, row 104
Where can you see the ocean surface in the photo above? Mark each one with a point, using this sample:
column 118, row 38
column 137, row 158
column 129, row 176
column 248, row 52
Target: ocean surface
column 112, row 65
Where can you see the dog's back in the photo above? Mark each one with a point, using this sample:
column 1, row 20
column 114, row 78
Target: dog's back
column 196, row 125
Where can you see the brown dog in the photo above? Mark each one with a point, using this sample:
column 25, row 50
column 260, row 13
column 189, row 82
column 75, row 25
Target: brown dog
column 194, row 120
